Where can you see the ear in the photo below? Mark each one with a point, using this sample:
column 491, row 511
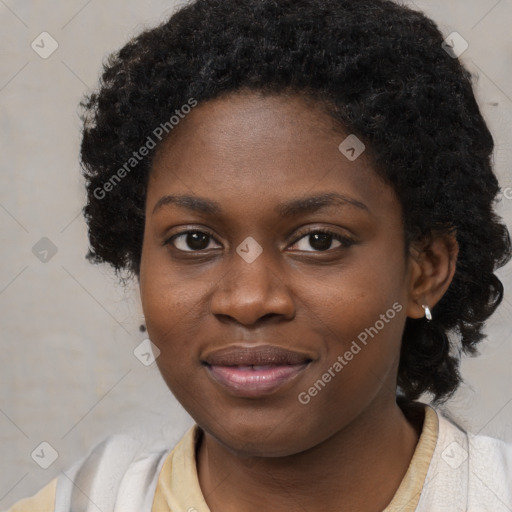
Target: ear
column 432, row 266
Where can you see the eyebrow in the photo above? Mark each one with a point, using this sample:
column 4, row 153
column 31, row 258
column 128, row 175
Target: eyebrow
column 290, row 208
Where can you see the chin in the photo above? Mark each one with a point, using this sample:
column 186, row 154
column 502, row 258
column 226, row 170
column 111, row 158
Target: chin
column 263, row 438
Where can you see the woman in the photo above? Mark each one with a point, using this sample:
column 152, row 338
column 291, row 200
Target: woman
column 304, row 191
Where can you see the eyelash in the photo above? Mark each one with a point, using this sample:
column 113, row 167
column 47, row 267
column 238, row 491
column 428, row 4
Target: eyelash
column 344, row 241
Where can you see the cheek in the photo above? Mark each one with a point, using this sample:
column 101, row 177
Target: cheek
column 173, row 314
column 352, row 299
column 170, row 300
column 172, row 309
column 362, row 312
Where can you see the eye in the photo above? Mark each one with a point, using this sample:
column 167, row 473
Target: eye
column 321, row 240
column 190, row 241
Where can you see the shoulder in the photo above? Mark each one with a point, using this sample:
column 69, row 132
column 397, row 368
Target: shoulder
column 482, row 452
column 119, row 466
column 42, row 501
column 490, row 465
column 468, row 472
column 120, row 470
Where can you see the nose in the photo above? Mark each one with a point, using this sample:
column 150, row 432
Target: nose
column 252, row 292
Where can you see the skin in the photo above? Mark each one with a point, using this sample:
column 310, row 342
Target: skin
column 351, row 444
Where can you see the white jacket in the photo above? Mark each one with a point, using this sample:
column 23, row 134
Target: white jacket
column 467, row 473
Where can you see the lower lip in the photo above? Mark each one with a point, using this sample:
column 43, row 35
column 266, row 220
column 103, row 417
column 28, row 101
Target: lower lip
column 255, row 383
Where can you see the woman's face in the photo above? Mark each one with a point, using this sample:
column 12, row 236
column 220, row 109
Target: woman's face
column 274, row 335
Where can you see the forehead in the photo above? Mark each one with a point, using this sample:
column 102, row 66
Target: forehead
column 240, row 124
column 265, row 148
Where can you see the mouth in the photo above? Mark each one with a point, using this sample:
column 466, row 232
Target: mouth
column 255, row 372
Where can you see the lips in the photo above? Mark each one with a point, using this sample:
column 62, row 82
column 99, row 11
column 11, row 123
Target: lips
column 263, row 355
column 252, row 372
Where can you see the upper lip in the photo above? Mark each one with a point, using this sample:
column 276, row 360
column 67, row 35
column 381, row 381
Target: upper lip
column 259, row 355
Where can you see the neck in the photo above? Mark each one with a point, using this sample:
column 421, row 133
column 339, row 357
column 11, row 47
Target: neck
column 358, row 468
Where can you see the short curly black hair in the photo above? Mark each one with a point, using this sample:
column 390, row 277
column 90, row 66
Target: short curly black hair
column 383, row 73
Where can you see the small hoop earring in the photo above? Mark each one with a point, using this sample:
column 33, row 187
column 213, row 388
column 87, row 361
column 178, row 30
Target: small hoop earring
column 428, row 314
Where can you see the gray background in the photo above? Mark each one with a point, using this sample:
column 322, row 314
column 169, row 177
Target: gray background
column 68, row 372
